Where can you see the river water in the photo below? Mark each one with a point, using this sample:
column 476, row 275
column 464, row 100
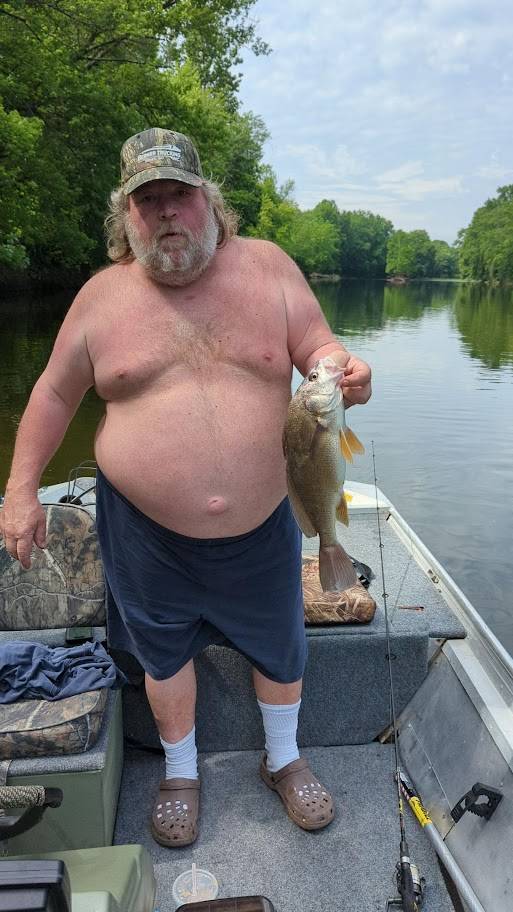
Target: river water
column 441, row 416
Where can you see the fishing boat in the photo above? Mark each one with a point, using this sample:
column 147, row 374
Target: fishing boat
column 439, row 761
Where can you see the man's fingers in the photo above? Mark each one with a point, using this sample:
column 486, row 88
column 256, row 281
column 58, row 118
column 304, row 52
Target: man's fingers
column 40, row 533
column 356, row 377
column 23, row 548
column 357, row 396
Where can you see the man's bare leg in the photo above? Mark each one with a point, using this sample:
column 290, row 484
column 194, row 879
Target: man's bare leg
column 174, row 820
column 173, row 702
column 307, row 802
column 269, row 691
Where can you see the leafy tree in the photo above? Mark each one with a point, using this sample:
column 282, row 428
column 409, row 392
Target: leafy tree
column 77, row 77
column 410, row 253
column 311, row 241
column 445, row 263
column 486, row 246
column 18, row 216
column 277, row 209
column 364, row 238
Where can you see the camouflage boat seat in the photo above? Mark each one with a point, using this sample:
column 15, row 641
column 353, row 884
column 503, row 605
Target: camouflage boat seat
column 76, row 742
column 64, row 586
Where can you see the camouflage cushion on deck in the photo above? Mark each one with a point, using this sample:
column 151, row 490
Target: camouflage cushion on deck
column 38, row 728
column 64, row 586
column 354, row 606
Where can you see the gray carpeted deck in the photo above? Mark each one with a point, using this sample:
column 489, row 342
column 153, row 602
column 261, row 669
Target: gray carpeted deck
column 249, row 843
column 414, row 604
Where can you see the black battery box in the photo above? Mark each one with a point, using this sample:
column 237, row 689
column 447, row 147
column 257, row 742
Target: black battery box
column 28, row 885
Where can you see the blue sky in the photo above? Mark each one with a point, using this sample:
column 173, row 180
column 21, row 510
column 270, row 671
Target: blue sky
column 401, row 108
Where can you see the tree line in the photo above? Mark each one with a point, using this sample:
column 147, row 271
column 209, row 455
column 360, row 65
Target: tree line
column 77, row 77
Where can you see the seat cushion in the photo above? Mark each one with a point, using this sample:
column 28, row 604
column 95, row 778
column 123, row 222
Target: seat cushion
column 354, row 606
column 64, row 587
column 40, row 728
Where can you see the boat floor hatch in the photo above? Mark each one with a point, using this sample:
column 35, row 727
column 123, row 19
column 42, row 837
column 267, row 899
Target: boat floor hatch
column 247, row 841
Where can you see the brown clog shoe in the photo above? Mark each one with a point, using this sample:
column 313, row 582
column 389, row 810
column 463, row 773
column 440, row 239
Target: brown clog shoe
column 306, row 801
column 174, row 819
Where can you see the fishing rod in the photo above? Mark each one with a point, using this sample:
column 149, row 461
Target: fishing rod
column 410, row 885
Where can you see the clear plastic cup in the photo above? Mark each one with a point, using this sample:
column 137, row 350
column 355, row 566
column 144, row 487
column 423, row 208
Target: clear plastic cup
column 206, row 885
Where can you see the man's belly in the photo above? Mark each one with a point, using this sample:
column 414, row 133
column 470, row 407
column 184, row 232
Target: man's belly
column 205, row 462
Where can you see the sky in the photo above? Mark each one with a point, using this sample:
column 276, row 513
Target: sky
column 403, row 109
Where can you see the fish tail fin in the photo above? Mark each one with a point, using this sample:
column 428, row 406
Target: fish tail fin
column 336, row 569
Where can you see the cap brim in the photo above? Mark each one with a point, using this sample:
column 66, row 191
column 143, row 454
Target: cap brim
column 165, row 173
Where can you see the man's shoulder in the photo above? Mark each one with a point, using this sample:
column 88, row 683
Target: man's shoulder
column 105, row 277
column 265, row 251
column 101, row 283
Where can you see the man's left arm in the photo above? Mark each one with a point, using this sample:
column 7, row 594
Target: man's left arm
column 310, row 338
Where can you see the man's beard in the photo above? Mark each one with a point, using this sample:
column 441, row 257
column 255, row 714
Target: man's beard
column 181, row 265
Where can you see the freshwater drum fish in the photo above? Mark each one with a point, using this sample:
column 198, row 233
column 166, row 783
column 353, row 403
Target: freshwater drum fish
column 317, row 443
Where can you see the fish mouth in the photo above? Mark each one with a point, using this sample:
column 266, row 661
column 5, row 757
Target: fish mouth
column 331, row 366
column 335, row 371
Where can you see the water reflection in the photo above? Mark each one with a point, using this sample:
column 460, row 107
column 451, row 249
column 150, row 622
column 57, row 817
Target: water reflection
column 484, row 318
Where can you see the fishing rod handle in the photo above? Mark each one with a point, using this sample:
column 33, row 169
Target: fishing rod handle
column 29, row 796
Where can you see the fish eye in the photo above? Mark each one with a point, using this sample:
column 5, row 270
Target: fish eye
column 313, row 375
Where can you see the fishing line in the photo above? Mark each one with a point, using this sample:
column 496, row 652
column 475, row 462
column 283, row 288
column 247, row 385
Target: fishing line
column 409, row 884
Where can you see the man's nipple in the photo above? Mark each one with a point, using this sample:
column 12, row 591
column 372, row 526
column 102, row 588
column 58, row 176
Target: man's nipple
column 217, row 505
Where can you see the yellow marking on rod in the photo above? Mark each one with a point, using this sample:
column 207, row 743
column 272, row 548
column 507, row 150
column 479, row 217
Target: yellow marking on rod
column 419, row 811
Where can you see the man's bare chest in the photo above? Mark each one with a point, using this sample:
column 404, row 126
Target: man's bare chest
column 139, row 345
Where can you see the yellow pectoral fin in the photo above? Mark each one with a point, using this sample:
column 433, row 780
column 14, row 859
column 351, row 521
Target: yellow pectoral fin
column 341, row 511
column 344, row 446
column 352, row 441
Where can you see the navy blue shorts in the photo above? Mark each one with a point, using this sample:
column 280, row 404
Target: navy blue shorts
column 170, row 596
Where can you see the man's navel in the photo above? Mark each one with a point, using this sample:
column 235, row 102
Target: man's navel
column 216, row 505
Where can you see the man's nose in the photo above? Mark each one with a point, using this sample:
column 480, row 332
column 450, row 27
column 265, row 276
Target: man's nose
column 168, row 208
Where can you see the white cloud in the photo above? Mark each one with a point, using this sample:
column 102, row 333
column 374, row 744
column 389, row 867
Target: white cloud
column 331, row 165
column 494, row 169
column 403, row 172
column 398, row 107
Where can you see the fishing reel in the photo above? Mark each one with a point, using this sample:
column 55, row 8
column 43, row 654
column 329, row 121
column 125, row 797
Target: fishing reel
column 408, row 900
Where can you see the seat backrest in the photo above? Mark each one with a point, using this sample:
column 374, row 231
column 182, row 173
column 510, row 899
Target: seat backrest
column 64, row 587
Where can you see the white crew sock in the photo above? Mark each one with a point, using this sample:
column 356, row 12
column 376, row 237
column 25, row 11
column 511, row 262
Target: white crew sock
column 280, row 726
column 181, row 757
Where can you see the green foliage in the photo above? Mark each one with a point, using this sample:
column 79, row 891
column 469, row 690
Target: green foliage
column 19, row 138
column 486, row 246
column 312, row 242
column 277, row 209
column 364, row 244
column 445, row 264
column 410, row 253
column 77, row 77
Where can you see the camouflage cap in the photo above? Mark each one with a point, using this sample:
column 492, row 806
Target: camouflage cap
column 157, row 154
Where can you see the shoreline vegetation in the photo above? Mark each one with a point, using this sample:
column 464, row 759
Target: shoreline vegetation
column 74, row 85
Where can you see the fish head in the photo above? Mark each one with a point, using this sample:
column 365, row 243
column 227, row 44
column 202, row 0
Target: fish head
column 320, row 390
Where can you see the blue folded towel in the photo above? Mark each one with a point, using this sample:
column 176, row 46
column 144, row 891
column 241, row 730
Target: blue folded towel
column 31, row 671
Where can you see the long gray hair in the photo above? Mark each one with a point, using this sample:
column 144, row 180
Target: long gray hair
column 118, row 246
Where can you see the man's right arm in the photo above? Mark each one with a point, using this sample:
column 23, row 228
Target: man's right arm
column 52, row 404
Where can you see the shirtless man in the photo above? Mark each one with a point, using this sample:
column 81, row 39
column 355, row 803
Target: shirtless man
column 189, row 338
